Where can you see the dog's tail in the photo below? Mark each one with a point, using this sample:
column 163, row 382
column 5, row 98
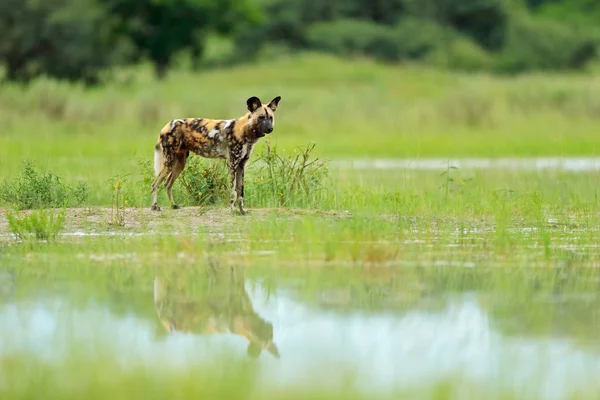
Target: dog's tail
column 158, row 158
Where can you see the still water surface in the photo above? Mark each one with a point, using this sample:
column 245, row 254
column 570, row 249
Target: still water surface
column 315, row 341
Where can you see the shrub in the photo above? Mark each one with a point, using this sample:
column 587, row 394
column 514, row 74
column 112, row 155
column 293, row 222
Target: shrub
column 579, row 12
column 461, row 54
column 417, row 37
column 35, row 189
column 295, row 180
column 40, row 224
column 411, row 38
column 484, row 21
column 203, row 182
column 544, row 44
column 348, row 37
column 65, row 39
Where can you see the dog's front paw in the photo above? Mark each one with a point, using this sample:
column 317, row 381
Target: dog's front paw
column 155, row 207
column 175, row 207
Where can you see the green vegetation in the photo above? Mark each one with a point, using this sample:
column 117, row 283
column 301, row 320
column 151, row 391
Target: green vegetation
column 36, row 190
column 88, row 40
column 358, row 110
column 39, row 224
column 406, row 255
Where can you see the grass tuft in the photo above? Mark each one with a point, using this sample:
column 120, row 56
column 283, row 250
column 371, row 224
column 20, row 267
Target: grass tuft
column 39, row 224
column 35, row 189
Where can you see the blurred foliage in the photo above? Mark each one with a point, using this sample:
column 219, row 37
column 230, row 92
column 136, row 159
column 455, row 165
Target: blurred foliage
column 79, row 39
column 69, row 39
column 534, row 43
column 499, row 35
column 584, row 12
column 161, row 28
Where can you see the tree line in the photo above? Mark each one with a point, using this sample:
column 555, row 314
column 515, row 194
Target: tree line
column 79, row 39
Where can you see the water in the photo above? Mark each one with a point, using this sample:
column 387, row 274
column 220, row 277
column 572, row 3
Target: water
column 577, row 164
column 316, row 339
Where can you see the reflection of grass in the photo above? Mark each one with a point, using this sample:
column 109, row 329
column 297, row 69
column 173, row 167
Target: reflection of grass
column 517, row 301
column 228, row 379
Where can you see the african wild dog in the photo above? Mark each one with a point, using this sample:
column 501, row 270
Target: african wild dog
column 232, row 140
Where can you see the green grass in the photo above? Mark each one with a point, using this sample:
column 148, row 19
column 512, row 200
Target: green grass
column 349, row 109
column 395, row 242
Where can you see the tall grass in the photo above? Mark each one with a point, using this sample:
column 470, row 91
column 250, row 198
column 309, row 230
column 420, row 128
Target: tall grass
column 349, row 109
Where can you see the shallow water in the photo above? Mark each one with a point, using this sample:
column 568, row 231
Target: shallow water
column 577, row 164
column 482, row 338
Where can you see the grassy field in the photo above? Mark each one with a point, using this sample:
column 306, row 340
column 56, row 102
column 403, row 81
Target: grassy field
column 439, row 283
column 356, row 109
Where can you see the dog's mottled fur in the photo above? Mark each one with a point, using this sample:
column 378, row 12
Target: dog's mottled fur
column 232, row 140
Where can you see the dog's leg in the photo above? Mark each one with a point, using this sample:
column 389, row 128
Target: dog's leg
column 180, row 162
column 232, row 184
column 162, row 175
column 239, row 186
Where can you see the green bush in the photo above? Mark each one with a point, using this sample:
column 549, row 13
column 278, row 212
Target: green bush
column 295, row 180
column 40, row 224
column 410, row 39
column 65, row 39
column 34, row 189
column 484, row 21
column 203, row 182
column 535, row 44
column 580, row 12
column 417, row 37
column 461, row 54
column 348, row 37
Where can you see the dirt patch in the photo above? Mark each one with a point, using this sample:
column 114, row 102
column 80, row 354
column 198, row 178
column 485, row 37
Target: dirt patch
column 184, row 220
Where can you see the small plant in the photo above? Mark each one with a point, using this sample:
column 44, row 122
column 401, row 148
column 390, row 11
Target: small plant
column 118, row 203
column 40, row 224
column 34, row 189
column 293, row 179
column 80, row 192
column 448, row 179
column 205, row 181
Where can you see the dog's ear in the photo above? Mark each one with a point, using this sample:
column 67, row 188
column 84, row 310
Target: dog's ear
column 273, row 103
column 253, row 103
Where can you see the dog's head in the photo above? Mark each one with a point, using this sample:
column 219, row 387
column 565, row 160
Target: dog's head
column 259, row 334
column 262, row 117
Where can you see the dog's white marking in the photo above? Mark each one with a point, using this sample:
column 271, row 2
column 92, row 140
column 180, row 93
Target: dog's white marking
column 213, row 132
column 157, row 160
column 174, row 122
column 246, row 151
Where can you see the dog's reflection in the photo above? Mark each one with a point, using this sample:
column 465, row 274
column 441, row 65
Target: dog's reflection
column 213, row 301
